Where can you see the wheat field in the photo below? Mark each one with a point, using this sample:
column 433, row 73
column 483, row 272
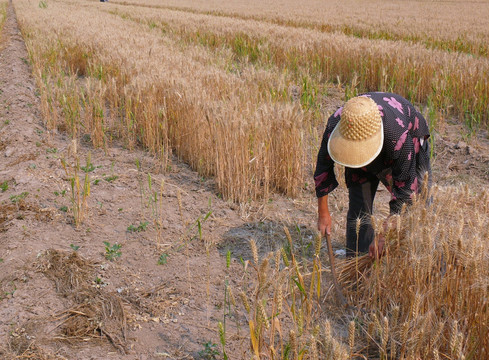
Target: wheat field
column 214, row 68
column 437, row 24
column 239, row 90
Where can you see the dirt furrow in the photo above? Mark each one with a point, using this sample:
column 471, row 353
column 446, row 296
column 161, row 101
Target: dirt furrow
column 169, row 286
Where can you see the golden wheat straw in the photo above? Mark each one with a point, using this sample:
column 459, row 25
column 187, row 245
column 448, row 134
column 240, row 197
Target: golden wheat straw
column 317, row 244
column 293, row 343
column 277, row 261
column 432, row 256
column 385, row 334
column 244, row 300
column 436, row 355
column 314, row 349
column 284, row 257
column 263, row 316
column 280, row 298
column 254, row 251
column 351, row 337
column 231, row 296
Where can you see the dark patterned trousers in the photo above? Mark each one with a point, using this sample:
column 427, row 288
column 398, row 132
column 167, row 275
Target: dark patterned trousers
column 361, row 199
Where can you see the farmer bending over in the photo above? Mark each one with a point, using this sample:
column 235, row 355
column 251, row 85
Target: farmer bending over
column 377, row 137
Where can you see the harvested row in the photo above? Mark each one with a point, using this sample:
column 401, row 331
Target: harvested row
column 146, row 89
column 454, row 26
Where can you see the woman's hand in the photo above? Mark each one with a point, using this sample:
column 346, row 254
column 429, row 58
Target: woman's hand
column 376, row 248
column 324, row 218
column 324, row 224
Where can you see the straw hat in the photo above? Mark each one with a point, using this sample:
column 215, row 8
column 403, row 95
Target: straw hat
column 358, row 137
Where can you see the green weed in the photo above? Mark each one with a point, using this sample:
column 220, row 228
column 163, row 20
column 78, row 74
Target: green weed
column 138, row 228
column 111, row 178
column 79, row 192
column 245, row 47
column 4, row 186
column 74, row 247
column 16, row 198
column 163, row 259
column 351, row 89
column 210, row 351
column 88, row 168
column 58, row 193
column 112, row 251
column 222, row 339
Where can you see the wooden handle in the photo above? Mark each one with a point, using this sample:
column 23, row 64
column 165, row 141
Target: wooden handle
column 339, row 292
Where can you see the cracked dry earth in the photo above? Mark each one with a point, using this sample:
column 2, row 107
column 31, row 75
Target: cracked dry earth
column 145, row 310
column 50, row 295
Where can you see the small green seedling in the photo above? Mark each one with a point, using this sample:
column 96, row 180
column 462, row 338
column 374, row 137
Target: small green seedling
column 141, row 227
column 111, row 178
column 112, row 251
column 51, row 150
column 163, row 259
column 96, row 181
column 13, row 290
column 88, row 168
column 210, row 351
column 74, row 247
column 17, row 198
column 64, row 208
column 4, row 186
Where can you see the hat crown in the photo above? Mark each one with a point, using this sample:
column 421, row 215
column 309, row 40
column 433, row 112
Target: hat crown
column 360, row 119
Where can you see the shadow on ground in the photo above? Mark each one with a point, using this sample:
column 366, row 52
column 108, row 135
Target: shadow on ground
column 269, row 236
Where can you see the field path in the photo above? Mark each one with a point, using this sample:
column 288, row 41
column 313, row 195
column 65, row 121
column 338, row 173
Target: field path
column 168, row 313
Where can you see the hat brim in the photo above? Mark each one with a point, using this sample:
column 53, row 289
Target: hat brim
column 355, row 153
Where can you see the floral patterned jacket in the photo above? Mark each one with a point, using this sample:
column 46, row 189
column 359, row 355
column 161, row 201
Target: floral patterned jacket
column 399, row 165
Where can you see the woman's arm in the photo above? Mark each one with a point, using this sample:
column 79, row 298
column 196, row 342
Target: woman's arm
column 324, row 217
